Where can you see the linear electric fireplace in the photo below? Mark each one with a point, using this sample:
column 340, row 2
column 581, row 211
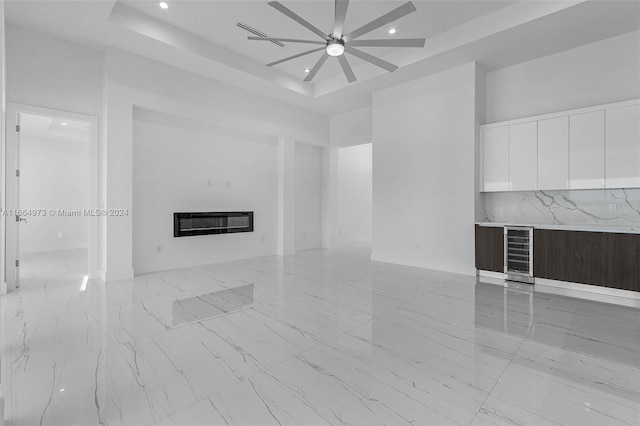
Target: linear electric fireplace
column 204, row 223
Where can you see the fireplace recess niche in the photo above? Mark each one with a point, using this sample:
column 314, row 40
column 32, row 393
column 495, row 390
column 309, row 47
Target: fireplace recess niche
column 204, row 223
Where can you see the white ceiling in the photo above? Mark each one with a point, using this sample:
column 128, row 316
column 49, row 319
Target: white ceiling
column 41, row 127
column 216, row 22
column 202, row 37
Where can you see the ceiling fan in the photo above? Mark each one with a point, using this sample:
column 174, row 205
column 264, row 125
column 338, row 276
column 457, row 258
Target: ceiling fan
column 336, row 43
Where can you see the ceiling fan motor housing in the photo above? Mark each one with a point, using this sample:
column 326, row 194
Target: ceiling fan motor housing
column 335, row 47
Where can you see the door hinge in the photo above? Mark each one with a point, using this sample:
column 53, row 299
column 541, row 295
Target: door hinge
column 17, row 128
column 17, row 173
column 17, row 263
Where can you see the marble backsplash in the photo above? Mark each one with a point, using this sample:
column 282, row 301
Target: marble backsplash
column 584, row 207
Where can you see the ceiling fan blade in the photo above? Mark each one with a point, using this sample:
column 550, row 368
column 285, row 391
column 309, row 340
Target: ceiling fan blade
column 341, row 13
column 317, row 66
column 371, row 59
column 295, row 56
column 396, row 13
column 348, row 72
column 392, row 42
column 287, row 40
column 283, row 9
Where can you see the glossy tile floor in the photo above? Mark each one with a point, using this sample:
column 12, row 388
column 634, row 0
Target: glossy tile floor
column 322, row 337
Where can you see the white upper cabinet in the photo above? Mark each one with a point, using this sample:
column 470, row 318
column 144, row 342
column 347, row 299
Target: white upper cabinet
column 586, row 150
column 496, row 158
column 622, row 166
column 523, row 156
column 553, row 153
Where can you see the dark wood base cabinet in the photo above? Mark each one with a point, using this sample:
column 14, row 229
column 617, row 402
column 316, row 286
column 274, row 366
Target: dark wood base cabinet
column 490, row 248
column 595, row 258
column 606, row 259
column 624, row 261
column 550, row 254
column 587, row 257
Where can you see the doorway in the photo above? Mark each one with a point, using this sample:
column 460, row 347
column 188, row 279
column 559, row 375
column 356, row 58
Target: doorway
column 51, row 200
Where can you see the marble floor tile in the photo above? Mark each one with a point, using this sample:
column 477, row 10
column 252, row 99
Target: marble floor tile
column 321, row 337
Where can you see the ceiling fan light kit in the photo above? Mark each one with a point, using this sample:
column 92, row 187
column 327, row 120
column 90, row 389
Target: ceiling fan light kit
column 337, row 44
column 335, row 48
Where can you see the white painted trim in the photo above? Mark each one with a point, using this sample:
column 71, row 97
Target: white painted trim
column 286, row 252
column 424, row 264
column 595, row 289
column 561, row 114
column 491, row 274
column 563, row 288
column 122, row 276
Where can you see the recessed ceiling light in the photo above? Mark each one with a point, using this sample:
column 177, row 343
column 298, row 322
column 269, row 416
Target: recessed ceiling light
column 392, row 30
column 163, row 5
column 65, row 124
column 307, row 70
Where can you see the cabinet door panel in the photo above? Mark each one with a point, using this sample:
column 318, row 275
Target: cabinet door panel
column 553, row 153
column 587, row 257
column 624, row 261
column 496, row 159
column 623, row 147
column 550, row 254
column 490, row 248
column 586, row 150
column 523, row 157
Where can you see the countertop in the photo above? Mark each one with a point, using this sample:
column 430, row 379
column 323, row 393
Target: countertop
column 571, row 227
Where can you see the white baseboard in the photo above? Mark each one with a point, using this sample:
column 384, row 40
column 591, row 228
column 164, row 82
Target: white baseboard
column 119, row 275
column 424, row 264
column 491, row 277
column 491, row 274
column 589, row 292
column 565, row 288
column 286, row 252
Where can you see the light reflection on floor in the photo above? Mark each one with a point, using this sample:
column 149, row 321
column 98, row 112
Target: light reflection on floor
column 321, row 337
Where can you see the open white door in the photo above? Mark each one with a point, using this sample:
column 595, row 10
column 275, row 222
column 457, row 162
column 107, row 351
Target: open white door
column 13, row 202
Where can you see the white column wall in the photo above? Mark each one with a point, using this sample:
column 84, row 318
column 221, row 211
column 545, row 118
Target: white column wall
column 286, row 195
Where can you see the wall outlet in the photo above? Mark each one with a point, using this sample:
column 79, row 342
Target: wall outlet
column 613, row 207
column 59, row 234
column 159, row 248
column 516, row 207
column 209, row 183
column 417, row 246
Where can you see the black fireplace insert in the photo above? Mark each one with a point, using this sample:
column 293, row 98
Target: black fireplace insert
column 204, row 223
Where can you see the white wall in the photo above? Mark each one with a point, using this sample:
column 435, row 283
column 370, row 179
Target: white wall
column 180, row 170
column 308, row 191
column 134, row 81
column 424, row 136
column 355, row 192
column 602, row 72
column 351, row 128
column 54, row 175
column 48, row 72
